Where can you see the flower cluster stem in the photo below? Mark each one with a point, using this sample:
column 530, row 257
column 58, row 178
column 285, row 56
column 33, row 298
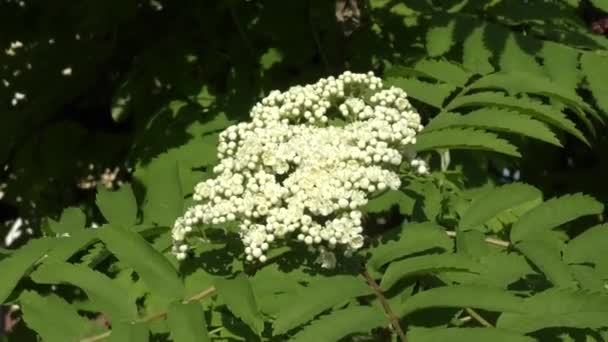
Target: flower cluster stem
column 387, row 308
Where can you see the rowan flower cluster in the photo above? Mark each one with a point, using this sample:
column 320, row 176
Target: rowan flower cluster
column 295, row 173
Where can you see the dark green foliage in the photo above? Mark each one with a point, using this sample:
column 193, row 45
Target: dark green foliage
column 504, row 240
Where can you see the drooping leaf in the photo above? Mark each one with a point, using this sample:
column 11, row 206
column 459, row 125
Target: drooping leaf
column 318, row 297
column 439, row 39
column 118, row 207
column 591, row 247
column 153, row 268
column 495, row 119
column 426, row 264
column 595, row 69
column 105, row 294
column 164, row 197
column 468, row 139
column 238, row 296
column 560, row 63
column 476, row 55
column 66, row 247
column 20, row 262
column 497, row 201
column 552, row 214
column 444, row 71
column 341, row 323
column 545, row 113
column 187, row 322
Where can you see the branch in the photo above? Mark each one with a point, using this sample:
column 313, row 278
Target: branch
column 489, row 240
column 387, row 309
column 161, row 314
column 478, row 318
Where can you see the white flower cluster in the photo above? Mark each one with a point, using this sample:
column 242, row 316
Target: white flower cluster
column 295, row 173
column 12, row 50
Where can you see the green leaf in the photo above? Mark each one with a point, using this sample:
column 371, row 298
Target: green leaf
column 387, row 200
column 153, row 268
column 444, row 71
column 270, row 58
column 548, row 260
column 118, row 207
column 530, row 323
column 462, row 296
column 520, row 82
column 465, row 335
column 318, row 297
column 439, row 39
column 469, row 139
column 66, row 247
column 601, row 4
column 496, row 201
column 475, row 53
column 514, row 58
column 341, row 323
column 53, row 318
column 408, row 267
column 595, row 69
column 164, row 198
column 411, row 238
column 431, row 93
column 553, row 213
column 238, row 296
column 128, row 332
column 545, row 113
column 495, row 119
column 72, row 220
column 560, row 63
column 105, row 294
column 589, row 247
column 20, row 262
column 187, row 322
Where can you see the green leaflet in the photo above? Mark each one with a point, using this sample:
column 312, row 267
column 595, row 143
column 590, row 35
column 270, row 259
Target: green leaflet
column 238, row 296
column 553, row 213
column 66, row 247
column 341, row 323
column 462, row 296
column 496, row 201
column 387, row 200
column 468, row 139
column 560, row 63
column 595, row 69
column 529, row 323
column 431, row 93
column 545, row 113
column 439, row 39
column 71, row 221
column 15, row 266
column 105, row 294
column 589, row 247
column 411, row 238
column 495, row 119
column 601, row 4
column 548, row 260
column 128, row 332
column 53, row 318
column 154, row 269
column 164, row 197
column 520, row 82
column 426, row 264
column 514, row 58
column 442, row 70
column 118, row 207
column 187, row 322
column 465, row 335
column 475, row 53
column 318, row 297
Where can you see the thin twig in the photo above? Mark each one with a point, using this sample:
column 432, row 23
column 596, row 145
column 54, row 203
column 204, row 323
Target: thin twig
column 489, row 240
column 478, row 318
column 161, row 314
column 387, row 309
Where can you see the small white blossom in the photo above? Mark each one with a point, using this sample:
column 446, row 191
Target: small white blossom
column 67, row 71
column 290, row 175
